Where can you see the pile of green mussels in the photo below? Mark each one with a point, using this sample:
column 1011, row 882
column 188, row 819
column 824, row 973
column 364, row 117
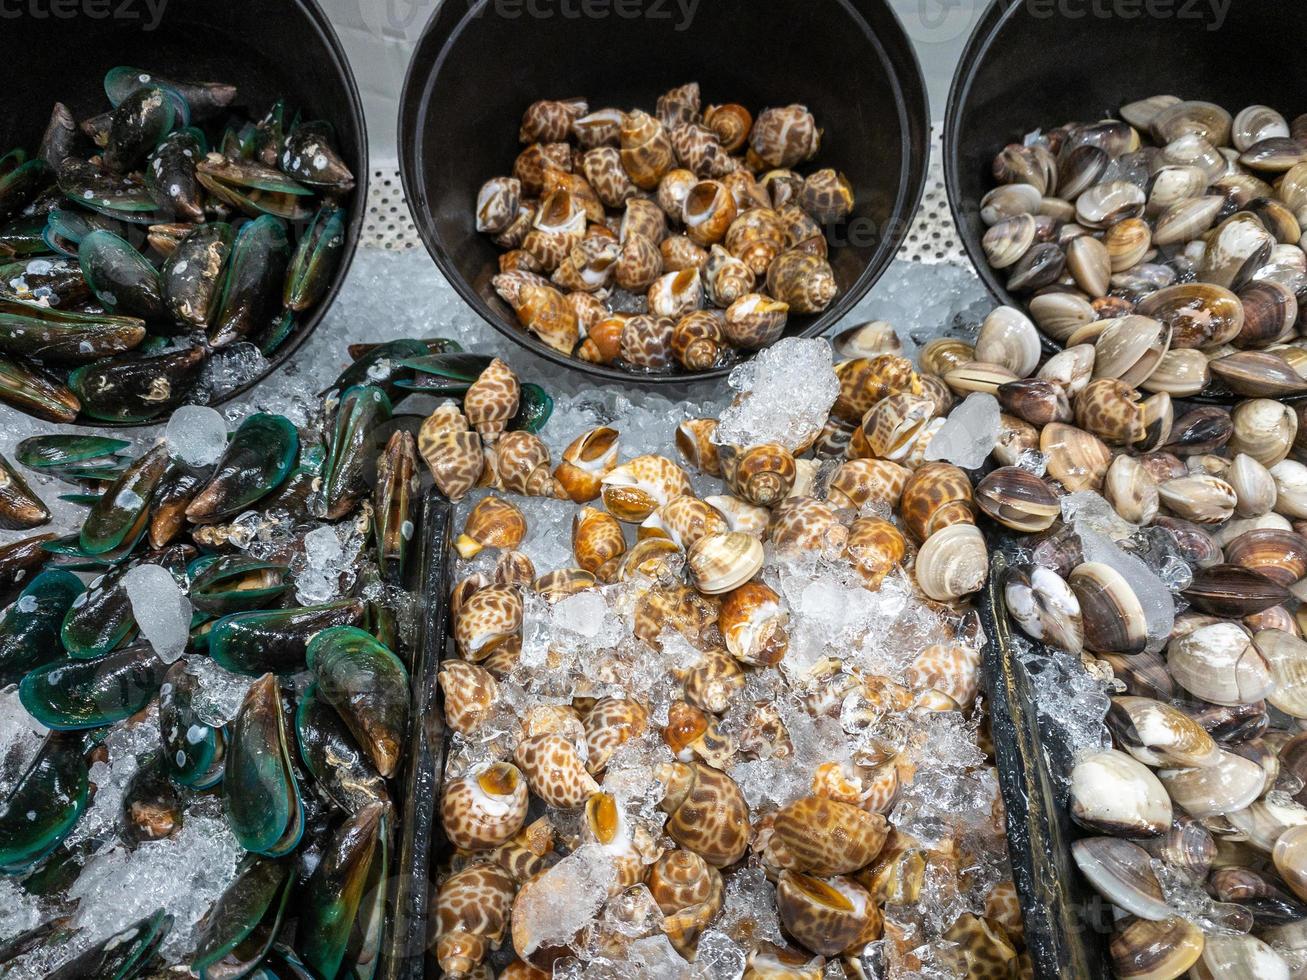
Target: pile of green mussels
column 137, row 243
column 305, row 772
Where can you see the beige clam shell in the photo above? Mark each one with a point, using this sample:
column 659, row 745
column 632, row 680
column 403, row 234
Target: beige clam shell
column 953, row 562
column 1114, row 794
column 1230, row 784
column 1220, row 664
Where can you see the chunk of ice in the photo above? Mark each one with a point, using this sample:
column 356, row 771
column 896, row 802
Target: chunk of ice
column 162, row 611
column 324, row 562
column 196, row 435
column 785, row 395
column 968, row 436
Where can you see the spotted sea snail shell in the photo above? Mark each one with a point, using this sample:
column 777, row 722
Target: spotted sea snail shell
column 706, row 811
column 485, row 808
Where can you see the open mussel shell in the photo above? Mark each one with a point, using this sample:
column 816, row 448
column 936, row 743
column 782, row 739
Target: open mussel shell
column 192, row 749
column 342, row 910
column 242, row 924
column 255, row 190
column 258, row 458
column 236, row 583
column 368, row 686
column 122, row 955
column 275, row 640
column 29, row 628
column 340, row 769
column 1114, row 794
column 1122, row 872
column 259, row 790
column 54, row 787
column 136, row 387
column 69, row 695
column 1233, row 591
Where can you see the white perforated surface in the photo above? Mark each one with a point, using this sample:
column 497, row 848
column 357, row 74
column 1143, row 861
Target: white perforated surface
column 932, row 239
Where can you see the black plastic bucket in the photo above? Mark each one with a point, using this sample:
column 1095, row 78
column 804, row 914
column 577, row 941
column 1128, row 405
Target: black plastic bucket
column 269, row 49
column 1034, row 64
column 480, row 63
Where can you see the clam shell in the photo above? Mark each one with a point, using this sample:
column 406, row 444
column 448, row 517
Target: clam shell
column 1130, row 347
column 1219, row 663
column 1145, row 950
column 1158, row 734
column 1180, row 372
column 1254, row 487
column 1018, row 499
column 1090, row 265
column 1253, row 373
column 1113, row 616
column 1199, row 314
column 1103, row 205
column 1281, row 556
column 1061, row 314
column 1290, row 858
column 1008, row 337
column 1077, row 459
column 1233, row 591
column 1045, row 607
column 1229, row 784
column 1131, row 490
column 953, row 562
column 1287, row 656
column 1121, row 872
column 1239, row 956
column 1113, row 794
column 1202, row 499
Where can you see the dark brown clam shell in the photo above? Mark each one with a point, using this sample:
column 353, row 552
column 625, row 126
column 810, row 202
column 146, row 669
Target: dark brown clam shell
column 1233, row 591
column 1164, row 466
column 1203, row 430
column 1144, row 675
column 1269, row 308
column 1060, row 550
column 1035, row 400
column 1258, row 373
column 1229, row 724
column 1196, row 545
column 1041, row 266
column 1278, row 555
column 1188, row 844
column 1269, row 904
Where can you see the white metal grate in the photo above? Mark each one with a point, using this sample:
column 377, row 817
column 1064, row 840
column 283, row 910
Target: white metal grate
column 931, row 240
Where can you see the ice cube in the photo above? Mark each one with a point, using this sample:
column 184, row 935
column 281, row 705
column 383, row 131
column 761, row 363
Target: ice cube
column 785, row 395
column 196, row 435
column 565, row 899
column 583, row 613
column 161, row 610
column 324, row 563
column 969, row 434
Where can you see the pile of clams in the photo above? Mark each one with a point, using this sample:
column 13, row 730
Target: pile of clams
column 666, row 241
column 647, row 776
column 1161, row 543
column 1177, row 221
column 137, row 243
column 304, row 769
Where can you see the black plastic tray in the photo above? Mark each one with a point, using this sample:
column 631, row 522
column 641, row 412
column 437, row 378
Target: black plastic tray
column 1063, row 917
column 408, row 941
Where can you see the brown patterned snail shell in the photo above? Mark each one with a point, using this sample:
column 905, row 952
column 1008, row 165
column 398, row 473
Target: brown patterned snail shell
column 746, row 190
column 936, row 495
column 726, row 278
column 586, row 461
column 638, row 487
column 464, row 589
column 608, row 724
column 680, row 253
column 451, row 451
column 643, row 217
column 649, row 559
column 713, row 682
column 514, row 568
column 603, row 169
column 757, row 237
column 706, row 812
column 492, row 400
column 559, row 225
column 472, row 908
column 865, row 381
column 607, row 827
column 689, row 892
column 519, row 260
column 858, row 482
column 825, row 837
column 640, row 264
column 603, row 345
column 755, row 321
column 785, row 137
column 497, row 204
column 522, row 465
column 684, row 519
column 801, row 524
column 470, row 695
column 731, row 122
column 708, row 212
column 672, row 191
column 554, row 770
column 752, row 622
column 492, row 523
column 646, row 150
column 870, row 787
column 951, row 668
column 802, row 233
column 676, row 294
column 551, row 120
column 515, row 234
column 763, row 475
column 986, row 949
column 589, row 310
column 545, row 312
column 767, row 961
column 589, row 267
column 597, row 541
column 484, row 808
column 1018, row 499
column 582, row 194
column 699, row 340
column 679, row 105
column 529, row 167
column 828, row 196
column 647, row 342
column 875, row 547
column 680, row 607
column 892, row 426
column 692, row 733
column 719, row 563
column 699, row 149
column 804, row 281
column 783, row 187
column 694, row 440
column 826, row 916
column 487, row 619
